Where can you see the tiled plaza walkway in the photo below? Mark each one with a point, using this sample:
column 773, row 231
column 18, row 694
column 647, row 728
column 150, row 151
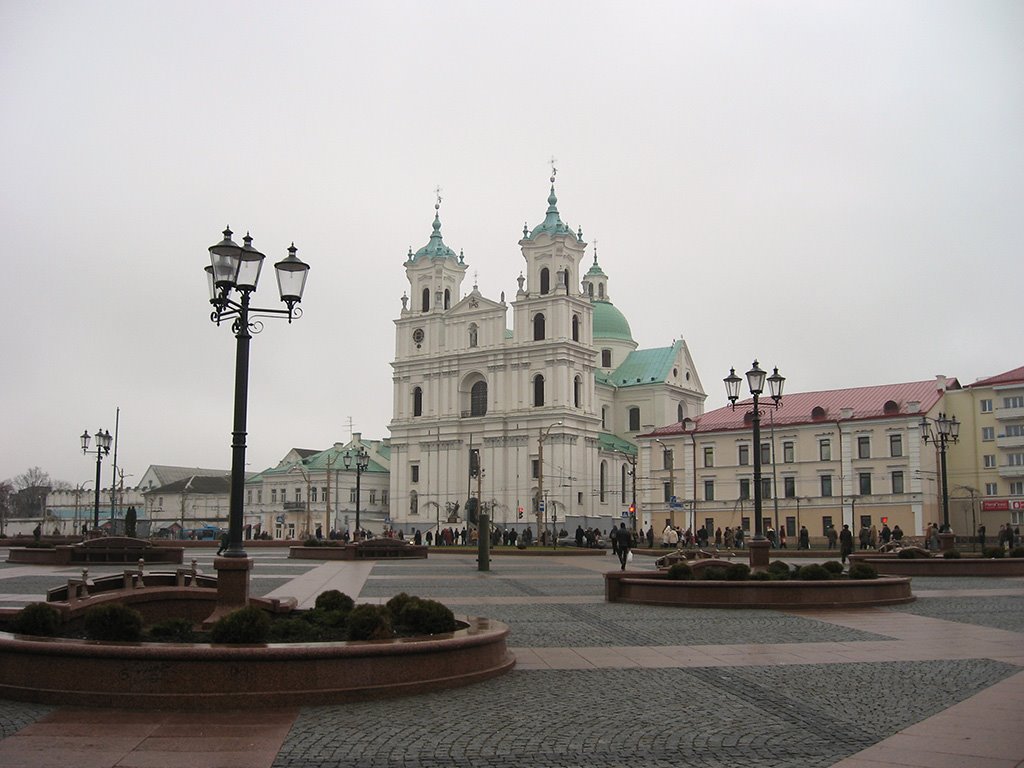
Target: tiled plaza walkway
column 936, row 683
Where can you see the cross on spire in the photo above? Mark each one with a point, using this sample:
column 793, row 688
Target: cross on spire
column 437, row 191
column 554, row 170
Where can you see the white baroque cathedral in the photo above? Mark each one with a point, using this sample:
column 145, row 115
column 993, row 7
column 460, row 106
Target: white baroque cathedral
column 550, row 407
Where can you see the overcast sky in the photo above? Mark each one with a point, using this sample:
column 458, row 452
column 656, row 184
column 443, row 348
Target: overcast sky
column 832, row 187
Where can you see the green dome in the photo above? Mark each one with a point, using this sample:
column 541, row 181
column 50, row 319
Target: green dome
column 609, row 323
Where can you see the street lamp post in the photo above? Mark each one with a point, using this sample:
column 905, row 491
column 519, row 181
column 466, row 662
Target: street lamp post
column 755, row 382
column 631, row 460
column 669, row 459
column 362, row 459
column 540, row 475
column 236, row 269
column 102, row 449
column 941, row 432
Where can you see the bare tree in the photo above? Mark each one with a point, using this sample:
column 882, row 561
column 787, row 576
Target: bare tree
column 6, row 497
column 31, row 489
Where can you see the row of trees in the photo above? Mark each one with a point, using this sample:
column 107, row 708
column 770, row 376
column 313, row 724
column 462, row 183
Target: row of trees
column 24, row 496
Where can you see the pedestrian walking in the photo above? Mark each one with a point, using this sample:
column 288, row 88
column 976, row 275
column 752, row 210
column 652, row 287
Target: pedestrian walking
column 621, row 539
column 845, row 543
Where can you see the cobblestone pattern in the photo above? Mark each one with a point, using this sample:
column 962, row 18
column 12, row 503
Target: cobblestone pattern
column 806, row 716
column 999, row 612
column 927, row 583
column 489, row 587
column 15, row 715
column 617, row 624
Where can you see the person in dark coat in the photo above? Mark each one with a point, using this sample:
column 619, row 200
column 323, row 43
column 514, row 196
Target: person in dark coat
column 621, row 540
column 845, row 543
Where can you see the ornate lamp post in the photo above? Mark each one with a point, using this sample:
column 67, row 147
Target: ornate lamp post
column 103, row 440
column 941, row 432
column 233, row 275
column 540, row 475
column 362, row 459
column 755, row 382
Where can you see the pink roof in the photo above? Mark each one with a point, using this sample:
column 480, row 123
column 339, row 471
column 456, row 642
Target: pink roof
column 1010, row 377
column 886, row 401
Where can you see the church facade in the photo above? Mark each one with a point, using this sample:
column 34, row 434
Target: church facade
column 547, row 410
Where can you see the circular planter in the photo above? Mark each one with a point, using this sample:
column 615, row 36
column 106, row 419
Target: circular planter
column 657, row 589
column 944, row 566
column 206, row 677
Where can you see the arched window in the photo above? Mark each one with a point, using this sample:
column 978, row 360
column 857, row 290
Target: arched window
column 603, row 487
column 472, row 334
column 680, row 412
column 563, row 278
column 414, row 503
column 426, row 299
column 634, row 419
column 590, row 290
column 622, row 485
column 417, row 401
column 575, row 327
column 447, row 298
column 538, row 327
column 577, row 391
column 600, row 290
column 478, row 399
column 538, row 390
column 545, row 281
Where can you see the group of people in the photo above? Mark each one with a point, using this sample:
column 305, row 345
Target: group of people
column 1007, row 538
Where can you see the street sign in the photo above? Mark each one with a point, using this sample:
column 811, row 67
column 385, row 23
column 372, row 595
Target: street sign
column 625, row 515
column 540, row 506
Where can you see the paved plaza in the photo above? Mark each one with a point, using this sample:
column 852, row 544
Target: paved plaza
column 939, row 682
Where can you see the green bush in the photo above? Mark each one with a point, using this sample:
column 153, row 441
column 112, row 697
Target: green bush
column 680, row 571
column 172, row 631
column 778, row 570
column 737, row 572
column 39, row 545
column 37, row 619
column 993, row 552
column 334, row 600
column 714, row 573
column 814, row 572
column 1017, row 552
column 951, row 554
column 312, row 541
column 247, row 626
column 424, row 617
column 396, row 603
column 369, row 622
column 113, row 623
column 911, row 553
column 765, row 576
column 862, row 571
column 833, row 566
column 294, row 631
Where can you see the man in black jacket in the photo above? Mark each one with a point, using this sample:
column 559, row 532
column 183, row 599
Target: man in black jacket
column 622, row 538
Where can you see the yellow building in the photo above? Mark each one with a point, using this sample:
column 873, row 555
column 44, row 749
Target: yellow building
column 848, row 456
column 986, row 466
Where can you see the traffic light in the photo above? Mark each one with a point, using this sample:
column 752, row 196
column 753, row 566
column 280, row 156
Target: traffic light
column 632, row 509
column 474, row 462
column 885, row 520
column 520, row 513
column 472, row 505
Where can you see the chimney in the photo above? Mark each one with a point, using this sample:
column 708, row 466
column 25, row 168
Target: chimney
column 913, row 406
column 940, row 383
column 846, row 413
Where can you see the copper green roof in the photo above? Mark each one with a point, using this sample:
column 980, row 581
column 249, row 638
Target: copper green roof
column 645, row 366
column 595, row 269
column 552, row 224
column 435, row 247
column 614, row 443
column 318, row 462
column 609, row 323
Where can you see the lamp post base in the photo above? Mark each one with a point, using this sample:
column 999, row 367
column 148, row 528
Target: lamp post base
column 759, row 554
column 947, row 541
column 232, row 586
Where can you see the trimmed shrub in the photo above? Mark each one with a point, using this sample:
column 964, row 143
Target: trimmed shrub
column 369, row 622
column 312, row 541
column 425, row 617
column 172, row 631
column 778, row 568
column 680, row 572
column 37, row 619
column 765, row 576
column 737, row 572
column 1017, row 552
column 862, row 571
column 246, row 626
column 814, row 572
column 333, row 621
column 294, row 631
column 113, row 623
column 912, row 553
column 833, row 566
column 396, row 603
column 35, row 544
column 993, row 552
column 951, row 554
column 714, row 573
column 334, row 600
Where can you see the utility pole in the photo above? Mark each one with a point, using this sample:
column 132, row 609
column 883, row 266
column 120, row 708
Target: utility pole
column 541, row 504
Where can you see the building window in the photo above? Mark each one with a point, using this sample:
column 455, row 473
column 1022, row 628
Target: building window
column 273, row 496
column 447, row 298
column 989, row 460
column 988, row 433
column 603, row 482
column 826, row 523
column 667, row 491
column 1016, row 401
column 259, row 495
column 745, row 489
column 538, row 327
column 864, row 482
column 478, row 399
column 991, row 489
column 473, row 335
column 667, row 459
column 680, row 413
column 575, row 327
column 826, row 485
column 351, row 495
column 766, row 453
column 312, row 494
column 414, row 473
column 417, row 401
column 986, row 406
column 577, row 391
column 622, row 484
column 788, row 453
column 744, row 457
column 538, row 390
column 895, row 445
column 248, row 496
column 825, row 450
column 897, row 482
column 789, row 487
column 545, row 281
column 766, row 487
column 604, row 417
column 606, row 358
column 634, row 419
column 426, row 299
column 535, row 468
column 1015, row 460
column 1017, row 488
column 1015, row 430
column 709, row 456
column 863, row 447
column 414, row 503
column 298, row 495
column 384, row 498
column 709, row 490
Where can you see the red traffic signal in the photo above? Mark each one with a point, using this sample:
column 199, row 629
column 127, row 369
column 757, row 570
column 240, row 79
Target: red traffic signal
column 520, row 513
column 632, row 509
